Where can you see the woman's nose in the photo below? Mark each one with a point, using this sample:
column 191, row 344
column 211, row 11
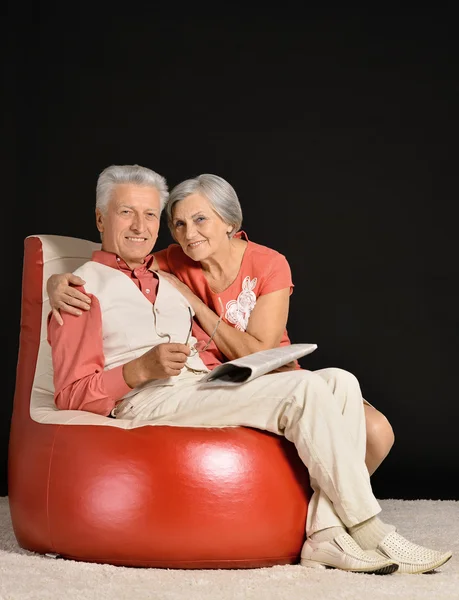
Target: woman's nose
column 190, row 230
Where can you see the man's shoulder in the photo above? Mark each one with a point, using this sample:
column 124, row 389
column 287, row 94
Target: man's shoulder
column 95, row 273
column 93, row 266
column 96, row 265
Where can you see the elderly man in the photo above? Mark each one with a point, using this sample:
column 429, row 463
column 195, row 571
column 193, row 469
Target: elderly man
column 127, row 358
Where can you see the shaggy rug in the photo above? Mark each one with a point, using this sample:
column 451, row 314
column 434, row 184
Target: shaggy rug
column 28, row 576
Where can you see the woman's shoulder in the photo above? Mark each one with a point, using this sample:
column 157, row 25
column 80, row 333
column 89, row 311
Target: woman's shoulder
column 264, row 263
column 267, row 267
column 259, row 250
column 264, row 258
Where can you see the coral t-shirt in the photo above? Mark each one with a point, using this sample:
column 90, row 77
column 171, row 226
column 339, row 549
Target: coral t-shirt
column 262, row 271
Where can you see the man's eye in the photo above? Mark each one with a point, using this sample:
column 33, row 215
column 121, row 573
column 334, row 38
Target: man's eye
column 151, row 215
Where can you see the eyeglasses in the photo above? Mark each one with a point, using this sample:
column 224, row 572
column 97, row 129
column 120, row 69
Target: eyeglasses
column 201, row 345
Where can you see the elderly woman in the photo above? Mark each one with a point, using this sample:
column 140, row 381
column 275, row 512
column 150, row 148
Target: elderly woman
column 238, row 289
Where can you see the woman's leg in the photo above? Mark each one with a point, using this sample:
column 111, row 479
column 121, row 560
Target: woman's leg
column 380, row 438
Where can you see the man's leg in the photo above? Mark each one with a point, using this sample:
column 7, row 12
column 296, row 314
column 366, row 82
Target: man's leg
column 347, row 396
column 301, row 406
column 297, row 404
column 374, row 534
column 379, row 434
column 345, row 388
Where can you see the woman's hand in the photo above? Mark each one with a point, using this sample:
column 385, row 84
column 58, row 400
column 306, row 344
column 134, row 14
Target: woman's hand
column 182, row 288
column 291, row 366
column 62, row 296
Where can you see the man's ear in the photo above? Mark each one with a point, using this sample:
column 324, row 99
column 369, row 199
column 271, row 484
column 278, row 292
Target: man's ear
column 99, row 220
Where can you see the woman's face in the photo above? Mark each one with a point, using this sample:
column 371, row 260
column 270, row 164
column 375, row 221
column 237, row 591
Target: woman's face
column 199, row 230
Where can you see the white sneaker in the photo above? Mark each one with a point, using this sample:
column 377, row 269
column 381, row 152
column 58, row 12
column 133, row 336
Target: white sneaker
column 410, row 557
column 344, row 553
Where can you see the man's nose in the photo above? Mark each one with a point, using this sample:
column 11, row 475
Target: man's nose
column 138, row 223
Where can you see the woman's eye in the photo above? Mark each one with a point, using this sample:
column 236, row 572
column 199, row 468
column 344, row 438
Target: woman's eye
column 200, row 219
column 178, row 223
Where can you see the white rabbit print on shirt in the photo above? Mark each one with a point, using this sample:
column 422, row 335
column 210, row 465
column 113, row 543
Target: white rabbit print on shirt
column 238, row 311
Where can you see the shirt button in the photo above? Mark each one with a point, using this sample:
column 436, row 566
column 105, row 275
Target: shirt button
column 147, row 291
column 118, row 259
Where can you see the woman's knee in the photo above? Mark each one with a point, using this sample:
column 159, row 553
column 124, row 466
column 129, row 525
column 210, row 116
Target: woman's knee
column 379, row 429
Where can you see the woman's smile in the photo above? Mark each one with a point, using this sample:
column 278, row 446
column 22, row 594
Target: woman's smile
column 193, row 245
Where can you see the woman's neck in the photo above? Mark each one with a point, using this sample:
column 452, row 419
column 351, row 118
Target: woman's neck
column 222, row 268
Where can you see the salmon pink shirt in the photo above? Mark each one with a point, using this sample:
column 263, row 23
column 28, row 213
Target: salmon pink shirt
column 262, row 271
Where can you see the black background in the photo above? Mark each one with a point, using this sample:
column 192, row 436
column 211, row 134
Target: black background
column 338, row 130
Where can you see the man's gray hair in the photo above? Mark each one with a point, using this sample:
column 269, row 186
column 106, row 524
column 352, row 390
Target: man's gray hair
column 116, row 174
column 217, row 190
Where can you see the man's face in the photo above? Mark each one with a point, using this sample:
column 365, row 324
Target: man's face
column 130, row 225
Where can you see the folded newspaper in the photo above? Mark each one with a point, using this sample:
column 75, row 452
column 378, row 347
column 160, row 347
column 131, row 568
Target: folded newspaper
column 241, row 370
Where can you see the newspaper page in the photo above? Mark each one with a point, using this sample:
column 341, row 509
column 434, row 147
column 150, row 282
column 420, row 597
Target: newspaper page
column 254, row 365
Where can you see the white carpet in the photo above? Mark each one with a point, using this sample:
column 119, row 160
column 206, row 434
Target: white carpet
column 27, row 576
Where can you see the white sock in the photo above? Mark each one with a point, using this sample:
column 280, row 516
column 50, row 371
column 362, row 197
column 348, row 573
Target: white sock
column 369, row 533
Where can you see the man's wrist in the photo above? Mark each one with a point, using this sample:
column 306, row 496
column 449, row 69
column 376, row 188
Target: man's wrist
column 132, row 373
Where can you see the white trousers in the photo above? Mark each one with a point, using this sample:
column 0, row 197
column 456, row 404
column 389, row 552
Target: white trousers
column 321, row 412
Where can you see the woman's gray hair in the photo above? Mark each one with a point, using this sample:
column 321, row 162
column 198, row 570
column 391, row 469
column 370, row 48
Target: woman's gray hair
column 217, row 190
column 116, row 174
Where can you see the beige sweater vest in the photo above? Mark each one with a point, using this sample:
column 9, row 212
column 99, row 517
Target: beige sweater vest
column 131, row 324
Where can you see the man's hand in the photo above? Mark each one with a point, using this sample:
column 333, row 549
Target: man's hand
column 161, row 362
column 62, row 296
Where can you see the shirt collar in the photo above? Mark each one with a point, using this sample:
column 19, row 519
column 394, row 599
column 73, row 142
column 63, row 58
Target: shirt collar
column 242, row 235
column 110, row 259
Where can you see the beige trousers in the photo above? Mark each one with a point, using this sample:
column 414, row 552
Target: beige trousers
column 321, row 412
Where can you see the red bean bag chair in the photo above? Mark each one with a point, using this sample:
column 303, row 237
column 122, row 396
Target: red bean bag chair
column 96, row 489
